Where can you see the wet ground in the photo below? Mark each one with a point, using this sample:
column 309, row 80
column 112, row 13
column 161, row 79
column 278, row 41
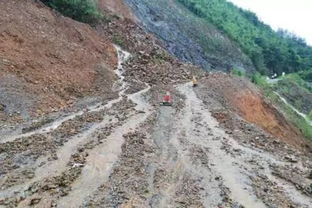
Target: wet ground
column 131, row 152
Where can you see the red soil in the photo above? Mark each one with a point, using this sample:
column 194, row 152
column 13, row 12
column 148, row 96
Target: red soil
column 56, row 57
column 243, row 97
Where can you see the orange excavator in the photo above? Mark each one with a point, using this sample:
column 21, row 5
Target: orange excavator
column 166, row 101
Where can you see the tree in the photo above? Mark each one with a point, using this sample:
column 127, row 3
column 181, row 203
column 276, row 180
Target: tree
column 270, row 51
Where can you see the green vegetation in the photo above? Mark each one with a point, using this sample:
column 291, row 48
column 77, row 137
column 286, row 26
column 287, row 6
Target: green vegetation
column 297, row 79
column 259, row 80
column 238, row 72
column 294, row 118
column 306, row 75
column 118, row 40
column 80, row 10
column 271, row 52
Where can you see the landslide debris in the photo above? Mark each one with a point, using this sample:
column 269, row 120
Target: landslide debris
column 149, row 62
column 132, row 152
column 48, row 61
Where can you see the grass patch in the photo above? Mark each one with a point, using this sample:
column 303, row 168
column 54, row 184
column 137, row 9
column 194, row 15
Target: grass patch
column 306, row 75
column 238, row 72
column 296, row 78
column 259, row 80
column 81, row 10
column 118, row 40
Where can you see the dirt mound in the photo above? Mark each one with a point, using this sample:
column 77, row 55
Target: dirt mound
column 117, row 7
column 46, row 60
column 244, row 98
column 149, row 61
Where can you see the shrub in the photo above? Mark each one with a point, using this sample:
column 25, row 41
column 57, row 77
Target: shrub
column 238, row 72
column 306, row 75
column 296, row 78
column 80, row 10
column 259, row 80
column 118, row 40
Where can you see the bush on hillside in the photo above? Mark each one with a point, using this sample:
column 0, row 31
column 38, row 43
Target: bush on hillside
column 306, row 75
column 296, row 78
column 80, row 10
column 238, row 72
column 259, row 80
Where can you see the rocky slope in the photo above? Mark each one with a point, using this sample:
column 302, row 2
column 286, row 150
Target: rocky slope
column 188, row 37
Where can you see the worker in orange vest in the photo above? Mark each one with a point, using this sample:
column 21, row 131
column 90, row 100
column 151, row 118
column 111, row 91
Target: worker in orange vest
column 194, row 81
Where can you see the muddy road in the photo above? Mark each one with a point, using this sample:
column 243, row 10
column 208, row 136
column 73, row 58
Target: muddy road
column 131, row 152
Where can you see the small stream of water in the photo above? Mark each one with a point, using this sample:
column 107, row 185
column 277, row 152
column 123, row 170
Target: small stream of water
column 294, row 109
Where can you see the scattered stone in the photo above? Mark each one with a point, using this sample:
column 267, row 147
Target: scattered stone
column 34, row 201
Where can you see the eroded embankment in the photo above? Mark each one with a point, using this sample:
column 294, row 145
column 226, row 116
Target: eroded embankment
column 242, row 97
column 47, row 61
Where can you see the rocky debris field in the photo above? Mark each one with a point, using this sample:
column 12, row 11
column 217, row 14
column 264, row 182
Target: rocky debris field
column 131, row 152
column 121, row 148
column 48, row 61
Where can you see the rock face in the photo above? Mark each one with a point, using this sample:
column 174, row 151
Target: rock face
column 187, row 37
column 47, row 60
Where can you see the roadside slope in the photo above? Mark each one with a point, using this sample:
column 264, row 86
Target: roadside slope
column 46, row 60
column 242, row 97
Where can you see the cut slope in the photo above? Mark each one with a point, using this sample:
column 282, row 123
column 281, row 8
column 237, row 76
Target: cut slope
column 49, row 58
column 242, row 97
column 188, row 37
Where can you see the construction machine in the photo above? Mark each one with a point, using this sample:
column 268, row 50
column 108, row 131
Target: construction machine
column 166, row 101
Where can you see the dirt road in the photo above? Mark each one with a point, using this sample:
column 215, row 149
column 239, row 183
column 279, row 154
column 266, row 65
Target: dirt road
column 130, row 153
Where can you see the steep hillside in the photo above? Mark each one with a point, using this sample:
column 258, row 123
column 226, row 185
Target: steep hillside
column 242, row 97
column 218, row 35
column 47, row 60
column 188, row 37
column 119, row 143
column 299, row 97
column 270, row 51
